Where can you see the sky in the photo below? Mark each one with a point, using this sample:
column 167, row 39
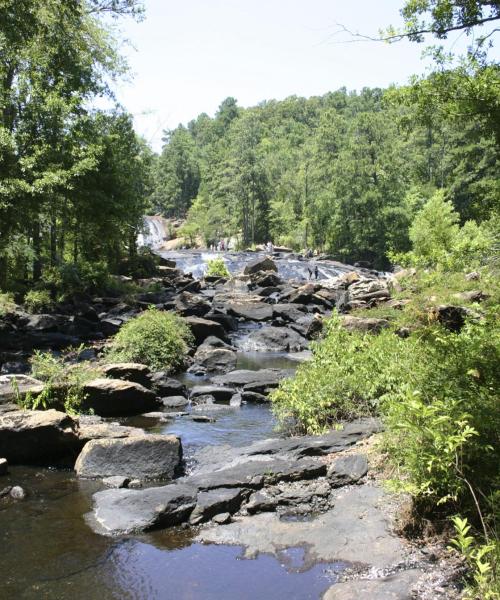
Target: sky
column 186, row 56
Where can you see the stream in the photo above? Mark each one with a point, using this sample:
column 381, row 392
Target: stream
column 48, row 551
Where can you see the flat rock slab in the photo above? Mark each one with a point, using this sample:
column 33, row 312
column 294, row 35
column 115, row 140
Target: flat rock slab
column 124, row 511
column 275, row 339
column 137, row 457
column 215, row 502
column 355, row 530
column 251, row 311
column 136, row 372
column 245, row 377
column 395, row 587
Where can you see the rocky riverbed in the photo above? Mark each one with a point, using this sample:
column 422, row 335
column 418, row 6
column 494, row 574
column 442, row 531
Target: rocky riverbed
column 174, row 480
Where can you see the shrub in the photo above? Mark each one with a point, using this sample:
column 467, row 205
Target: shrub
column 156, row 338
column 37, row 300
column 141, row 265
column 63, row 380
column 7, row 303
column 217, row 268
column 344, row 380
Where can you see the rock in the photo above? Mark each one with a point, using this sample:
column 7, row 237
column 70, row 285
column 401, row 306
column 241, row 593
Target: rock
column 203, row 328
column 5, row 491
column 473, row 276
column 44, row 322
column 215, row 359
column 219, row 393
column 289, row 312
column 116, row 482
column 252, row 311
column 309, row 326
column 394, row 587
column 38, row 437
column 15, row 367
column 14, row 387
column 203, row 419
column 114, row 397
column 17, row 493
column 209, row 504
column 228, row 322
column 451, row 317
column 260, row 264
column 275, row 339
column 127, row 511
column 347, row 469
column 143, row 457
column 174, row 401
column 254, row 397
column 222, row 519
column 110, row 327
column 135, row 372
column 471, row 296
column 92, row 428
column 4, row 466
column 190, row 305
column 362, row 324
column 261, row 501
column 252, row 380
column 303, row 294
column 166, row 386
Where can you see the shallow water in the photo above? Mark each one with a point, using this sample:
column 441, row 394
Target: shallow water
column 47, row 551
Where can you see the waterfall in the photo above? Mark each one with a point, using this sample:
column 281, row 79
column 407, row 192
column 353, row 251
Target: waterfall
column 154, row 233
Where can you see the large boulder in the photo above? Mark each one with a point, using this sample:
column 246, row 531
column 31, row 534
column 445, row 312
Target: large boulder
column 139, row 457
column 260, row 264
column 190, row 305
column 252, row 311
column 164, row 385
column 38, row 436
column 219, row 393
column 214, row 356
column 92, row 427
column 253, row 381
column 203, row 328
column 115, row 398
column 275, row 339
column 136, row 372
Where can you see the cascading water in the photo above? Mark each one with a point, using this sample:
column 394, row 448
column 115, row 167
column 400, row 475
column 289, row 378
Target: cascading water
column 154, row 234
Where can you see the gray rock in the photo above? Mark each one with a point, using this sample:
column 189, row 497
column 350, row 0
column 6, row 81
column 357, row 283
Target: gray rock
column 219, row 393
column 17, row 386
column 166, row 386
column 126, row 511
column 5, row 491
column 222, row 519
column 135, row 372
column 223, row 500
column 252, row 311
column 260, row 264
column 394, row 587
column 92, row 428
column 116, row 482
column 174, row 401
column 203, row 419
column 215, row 360
column 190, row 305
column 348, row 469
column 242, row 378
column 114, row 397
column 203, row 328
column 17, row 493
column 261, row 501
column 4, row 466
column 362, row 324
column 38, row 437
column 275, row 339
column 143, row 457
column 289, row 312
column 254, row 397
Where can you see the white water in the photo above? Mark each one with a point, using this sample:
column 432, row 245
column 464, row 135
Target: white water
column 154, row 234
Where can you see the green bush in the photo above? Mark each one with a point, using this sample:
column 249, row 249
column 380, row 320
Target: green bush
column 347, row 375
column 7, row 303
column 63, row 380
column 142, row 265
column 37, row 301
column 156, row 338
column 217, row 268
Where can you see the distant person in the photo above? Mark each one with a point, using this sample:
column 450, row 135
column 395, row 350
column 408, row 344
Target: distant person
column 316, row 272
column 310, row 272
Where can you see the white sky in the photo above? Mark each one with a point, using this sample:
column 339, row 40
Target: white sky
column 188, row 55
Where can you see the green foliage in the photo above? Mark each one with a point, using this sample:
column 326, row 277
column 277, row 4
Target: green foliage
column 37, row 301
column 156, row 338
column 485, row 584
column 141, row 265
column 190, row 232
column 64, row 381
column 216, row 267
column 7, row 303
column 347, row 375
